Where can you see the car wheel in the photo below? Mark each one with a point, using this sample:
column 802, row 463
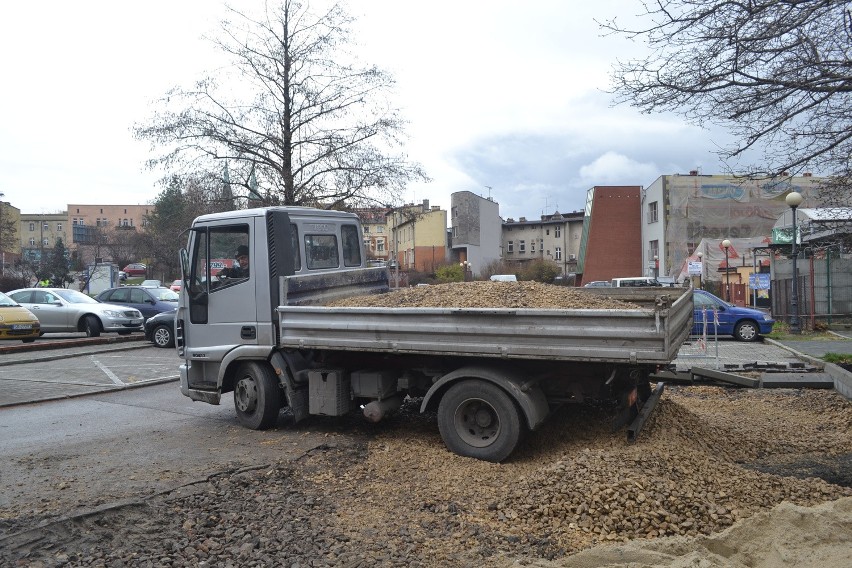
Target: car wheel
column 92, row 326
column 30, row 340
column 162, row 336
column 479, row 420
column 746, row 330
column 257, row 397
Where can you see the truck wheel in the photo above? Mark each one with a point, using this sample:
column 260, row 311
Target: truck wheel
column 256, row 396
column 479, row 420
column 92, row 326
column 746, row 330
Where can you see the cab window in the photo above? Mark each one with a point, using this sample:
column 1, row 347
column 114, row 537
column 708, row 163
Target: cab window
column 351, row 245
column 321, row 251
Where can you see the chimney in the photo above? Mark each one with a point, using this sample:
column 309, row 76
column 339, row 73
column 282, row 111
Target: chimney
column 693, row 172
column 807, row 174
column 425, row 205
column 522, row 219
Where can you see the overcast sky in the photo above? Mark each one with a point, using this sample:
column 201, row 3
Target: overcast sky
column 500, row 94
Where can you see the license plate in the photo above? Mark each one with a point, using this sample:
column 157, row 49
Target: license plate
column 22, row 326
column 135, row 322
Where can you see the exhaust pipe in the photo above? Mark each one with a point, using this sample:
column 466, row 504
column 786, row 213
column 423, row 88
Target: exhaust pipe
column 378, row 409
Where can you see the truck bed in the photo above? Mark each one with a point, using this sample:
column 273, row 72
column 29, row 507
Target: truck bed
column 651, row 334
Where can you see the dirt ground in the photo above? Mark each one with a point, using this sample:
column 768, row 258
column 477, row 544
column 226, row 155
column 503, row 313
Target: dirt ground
column 719, row 477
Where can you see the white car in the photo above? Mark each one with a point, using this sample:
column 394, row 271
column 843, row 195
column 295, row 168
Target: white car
column 63, row 310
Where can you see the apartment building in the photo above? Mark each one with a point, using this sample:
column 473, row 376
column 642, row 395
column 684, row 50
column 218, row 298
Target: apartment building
column 475, row 229
column 554, row 237
column 376, row 234
column 418, row 236
column 39, row 233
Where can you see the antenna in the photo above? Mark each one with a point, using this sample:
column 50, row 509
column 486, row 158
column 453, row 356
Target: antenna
column 489, row 188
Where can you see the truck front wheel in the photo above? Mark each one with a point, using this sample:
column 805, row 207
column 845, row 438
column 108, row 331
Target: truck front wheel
column 479, row 420
column 256, row 396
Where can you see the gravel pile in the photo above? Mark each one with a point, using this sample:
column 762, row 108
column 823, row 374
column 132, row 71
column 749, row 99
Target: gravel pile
column 487, row 295
column 390, row 494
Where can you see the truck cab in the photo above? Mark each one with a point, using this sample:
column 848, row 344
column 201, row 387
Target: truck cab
column 295, row 255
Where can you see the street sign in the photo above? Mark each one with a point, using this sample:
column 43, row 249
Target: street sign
column 758, row 281
column 695, row 268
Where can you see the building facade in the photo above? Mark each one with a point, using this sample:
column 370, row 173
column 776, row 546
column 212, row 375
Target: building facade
column 683, row 215
column 376, row 235
column 611, row 244
column 475, row 229
column 553, row 237
column 418, row 236
column 39, row 233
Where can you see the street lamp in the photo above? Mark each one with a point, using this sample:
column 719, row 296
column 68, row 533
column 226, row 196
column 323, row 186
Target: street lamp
column 794, row 199
column 727, row 244
column 701, row 273
column 466, row 270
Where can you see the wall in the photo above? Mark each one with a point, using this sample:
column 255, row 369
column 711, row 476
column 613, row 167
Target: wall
column 613, row 237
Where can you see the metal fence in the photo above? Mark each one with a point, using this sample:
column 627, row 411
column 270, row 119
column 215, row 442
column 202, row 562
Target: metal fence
column 824, row 289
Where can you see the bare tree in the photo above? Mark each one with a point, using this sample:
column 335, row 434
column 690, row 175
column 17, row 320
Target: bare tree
column 776, row 73
column 297, row 118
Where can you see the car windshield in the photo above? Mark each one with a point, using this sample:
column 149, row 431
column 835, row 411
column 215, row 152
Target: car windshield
column 166, row 295
column 6, row 301
column 75, row 297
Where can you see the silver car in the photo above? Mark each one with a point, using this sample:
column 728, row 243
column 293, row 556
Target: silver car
column 64, row 310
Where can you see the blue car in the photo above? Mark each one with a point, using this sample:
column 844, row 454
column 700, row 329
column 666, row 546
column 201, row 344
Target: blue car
column 149, row 301
column 745, row 324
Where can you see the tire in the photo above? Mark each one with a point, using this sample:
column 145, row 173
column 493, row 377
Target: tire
column 124, row 332
column 746, row 330
column 479, row 420
column 30, row 340
column 92, row 326
column 162, row 336
column 257, row 397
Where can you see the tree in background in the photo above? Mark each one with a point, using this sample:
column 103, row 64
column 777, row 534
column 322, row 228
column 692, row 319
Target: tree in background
column 298, row 118
column 776, row 73
column 174, row 210
column 540, row 270
column 57, row 266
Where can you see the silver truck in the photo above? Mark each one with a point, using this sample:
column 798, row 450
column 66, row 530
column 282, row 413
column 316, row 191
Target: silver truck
column 264, row 333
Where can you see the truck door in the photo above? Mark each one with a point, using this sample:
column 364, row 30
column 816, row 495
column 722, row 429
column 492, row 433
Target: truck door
column 222, row 295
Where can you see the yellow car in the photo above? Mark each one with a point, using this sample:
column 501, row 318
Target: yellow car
column 16, row 321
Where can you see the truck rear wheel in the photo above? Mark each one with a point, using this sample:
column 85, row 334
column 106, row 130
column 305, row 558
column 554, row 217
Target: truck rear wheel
column 256, row 396
column 479, row 420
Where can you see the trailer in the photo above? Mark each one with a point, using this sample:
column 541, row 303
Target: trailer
column 491, row 374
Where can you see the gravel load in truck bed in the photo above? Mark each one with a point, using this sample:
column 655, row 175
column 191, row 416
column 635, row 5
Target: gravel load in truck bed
column 487, row 295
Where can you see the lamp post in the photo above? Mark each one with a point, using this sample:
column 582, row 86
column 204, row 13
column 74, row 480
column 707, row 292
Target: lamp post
column 794, row 199
column 466, row 270
column 701, row 273
column 727, row 244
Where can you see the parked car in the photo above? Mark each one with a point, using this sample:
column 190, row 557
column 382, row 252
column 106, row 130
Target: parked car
column 136, row 269
column 597, row 284
column 17, row 322
column 176, row 285
column 745, row 324
column 636, row 281
column 64, row 310
column 151, row 283
column 161, row 329
column 149, row 301
column 122, row 275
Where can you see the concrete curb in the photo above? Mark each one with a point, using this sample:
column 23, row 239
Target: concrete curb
column 114, row 388
column 842, row 377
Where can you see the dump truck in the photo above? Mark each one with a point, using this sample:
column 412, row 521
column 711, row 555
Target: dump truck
column 269, row 337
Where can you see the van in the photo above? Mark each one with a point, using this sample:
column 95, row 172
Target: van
column 504, row 278
column 634, row 282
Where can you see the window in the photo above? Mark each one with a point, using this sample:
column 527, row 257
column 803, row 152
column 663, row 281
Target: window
column 380, row 245
column 653, row 250
column 547, row 232
column 558, row 252
column 32, row 242
column 45, row 226
column 380, row 229
column 321, row 251
column 294, row 243
column 351, row 245
column 522, row 247
column 32, row 226
column 510, row 247
column 652, row 212
column 45, row 242
column 557, row 232
column 532, row 246
column 59, row 226
column 454, row 212
column 366, row 229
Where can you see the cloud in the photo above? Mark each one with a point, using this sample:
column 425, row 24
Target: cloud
column 613, row 168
